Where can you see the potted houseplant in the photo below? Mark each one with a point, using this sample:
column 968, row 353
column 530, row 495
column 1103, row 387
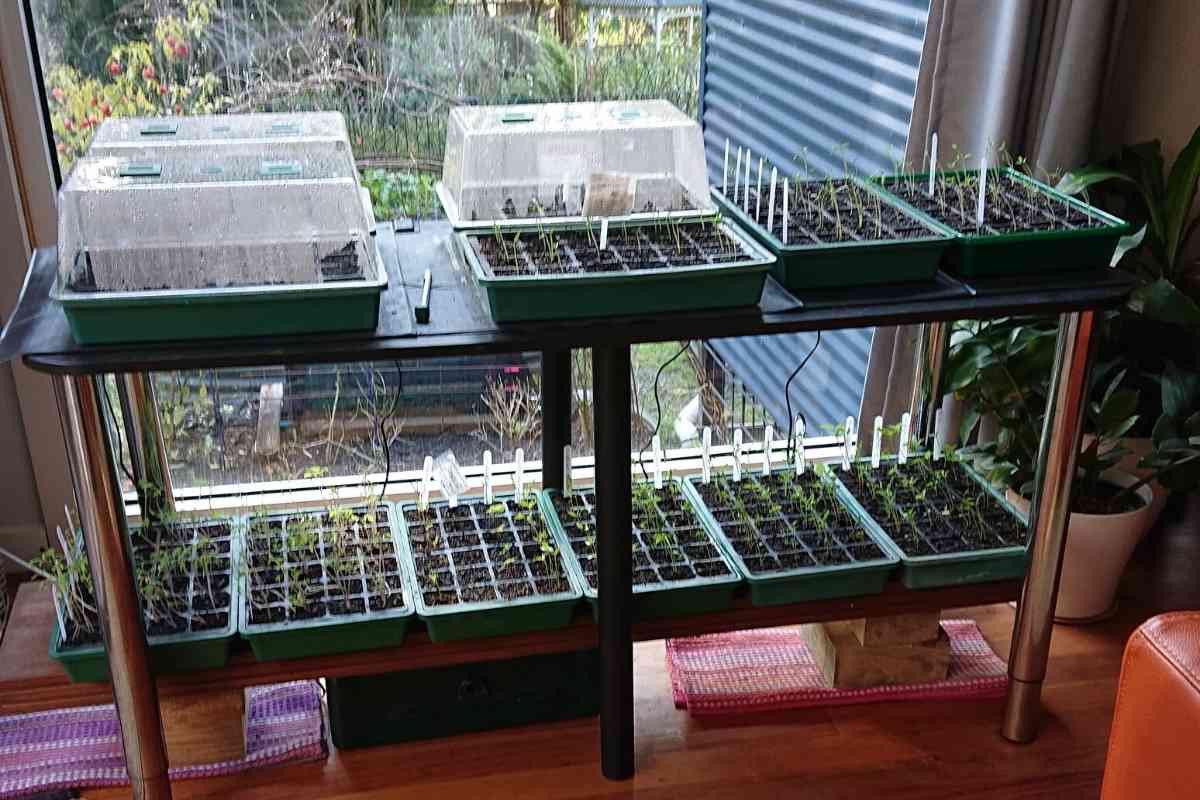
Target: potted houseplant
column 1002, row 368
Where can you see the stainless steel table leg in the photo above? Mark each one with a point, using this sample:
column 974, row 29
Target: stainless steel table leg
column 1048, row 514
column 102, row 515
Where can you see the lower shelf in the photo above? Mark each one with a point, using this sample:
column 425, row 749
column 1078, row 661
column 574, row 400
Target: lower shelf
column 30, row 681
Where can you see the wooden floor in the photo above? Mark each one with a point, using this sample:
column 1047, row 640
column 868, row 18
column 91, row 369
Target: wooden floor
column 892, row 751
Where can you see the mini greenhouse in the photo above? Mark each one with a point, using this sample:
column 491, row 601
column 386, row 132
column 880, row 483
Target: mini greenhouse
column 531, row 164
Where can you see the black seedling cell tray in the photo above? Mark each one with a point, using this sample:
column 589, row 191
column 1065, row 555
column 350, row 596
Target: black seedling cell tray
column 948, row 523
column 794, row 537
column 678, row 567
column 485, row 570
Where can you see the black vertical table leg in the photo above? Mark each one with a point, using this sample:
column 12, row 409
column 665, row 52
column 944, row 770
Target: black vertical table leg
column 556, row 415
column 614, row 512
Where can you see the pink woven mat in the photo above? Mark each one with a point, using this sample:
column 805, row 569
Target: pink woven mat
column 771, row 669
column 81, row 747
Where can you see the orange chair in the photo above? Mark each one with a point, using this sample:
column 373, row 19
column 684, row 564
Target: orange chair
column 1154, row 747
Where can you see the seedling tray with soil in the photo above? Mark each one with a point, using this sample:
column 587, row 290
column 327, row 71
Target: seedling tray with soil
column 840, row 232
column 323, row 581
column 793, row 537
column 487, row 569
column 1028, row 227
column 949, row 526
column 561, row 272
column 678, row 567
column 184, row 574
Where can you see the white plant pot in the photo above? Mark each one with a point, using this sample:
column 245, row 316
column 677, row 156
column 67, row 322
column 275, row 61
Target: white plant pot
column 1138, row 448
column 1098, row 548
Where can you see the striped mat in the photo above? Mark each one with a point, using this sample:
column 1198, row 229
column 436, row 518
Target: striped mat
column 771, row 669
column 81, row 747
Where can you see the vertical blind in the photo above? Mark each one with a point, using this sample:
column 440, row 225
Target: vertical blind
column 829, row 83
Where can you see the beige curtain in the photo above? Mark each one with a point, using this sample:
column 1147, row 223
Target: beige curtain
column 1025, row 74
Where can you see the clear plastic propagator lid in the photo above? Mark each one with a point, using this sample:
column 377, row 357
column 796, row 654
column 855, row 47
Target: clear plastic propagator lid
column 531, row 164
column 137, row 132
column 201, row 218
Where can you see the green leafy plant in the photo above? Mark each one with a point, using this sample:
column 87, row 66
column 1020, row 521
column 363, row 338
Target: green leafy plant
column 401, row 194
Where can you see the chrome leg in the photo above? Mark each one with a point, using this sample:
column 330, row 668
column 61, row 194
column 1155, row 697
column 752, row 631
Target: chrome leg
column 1048, row 515
column 147, row 448
column 102, row 515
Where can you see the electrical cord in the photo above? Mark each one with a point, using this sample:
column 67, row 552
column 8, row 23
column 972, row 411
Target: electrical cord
column 383, row 442
column 788, row 396
column 658, row 408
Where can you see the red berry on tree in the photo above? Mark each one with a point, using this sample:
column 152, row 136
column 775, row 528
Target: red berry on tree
column 148, row 72
column 57, row 94
column 114, row 68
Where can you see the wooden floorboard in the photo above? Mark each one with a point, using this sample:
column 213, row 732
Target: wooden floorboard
column 896, row 751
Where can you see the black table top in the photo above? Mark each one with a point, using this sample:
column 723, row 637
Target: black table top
column 460, row 323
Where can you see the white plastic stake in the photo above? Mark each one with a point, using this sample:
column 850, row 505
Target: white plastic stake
column 979, row 205
column 489, row 491
column 876, row 442
column 746, row 189
column 905, row 432
column 706, row 453
column 847, row 443
column 519, row 476
column 566, row 189
column 725, row 171
column 932, row 162
column 801, row 461
column 758, row 191
column 737, row 454
column 737, row 175
column 426, row 475
column 656, row 446
column 785, row 210
column 937, row 435
column 604, row 233
column 568, row 484
column 771, row 201
column 768, row 435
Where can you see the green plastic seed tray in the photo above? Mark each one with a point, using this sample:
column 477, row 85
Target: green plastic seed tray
column 1048, row 249
column 337, row 609
column 645, row 268
column 868, row 559
column 931, row 569
column 693, row 578
column 808, row 263
column 187, row 651
column 500, row 569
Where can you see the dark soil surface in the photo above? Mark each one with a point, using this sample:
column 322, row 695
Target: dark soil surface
column 783, row 521
column 1011, row 206
column 183, row 575
column 477, row 552
column 1104, row 498
column 322, row 564
column 827, row 212
column 930, row 507
column 629, row 249
column 670, row 543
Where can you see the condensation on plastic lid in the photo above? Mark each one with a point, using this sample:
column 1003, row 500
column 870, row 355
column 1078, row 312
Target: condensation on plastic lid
column 449, row 475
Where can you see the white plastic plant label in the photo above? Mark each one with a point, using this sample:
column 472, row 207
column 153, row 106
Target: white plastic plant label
column 847, row 443
column 656, row 446
column 771, row 200
column 746, row 190
column 426, row 477
column 725, row 171
column 801, row 460
column 768, row 435
column 905, row 435
column 568, row 485
column 932, row 162
column 450, row 477
column 785, row 210
column 876, row 442
column 737, row 175
column 609, row 194
column 604, row 234
column 937, row 435
column 758, row 190
column 519, row 474
column 982, row 200
column 737, row 454
column 706, row 453
column 489, row 491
